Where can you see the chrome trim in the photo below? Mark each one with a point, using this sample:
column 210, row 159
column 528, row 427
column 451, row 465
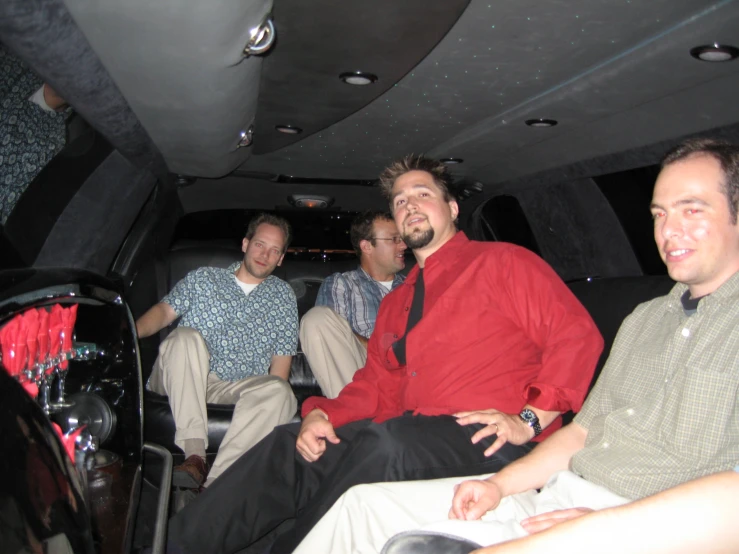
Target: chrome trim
column 160, row 524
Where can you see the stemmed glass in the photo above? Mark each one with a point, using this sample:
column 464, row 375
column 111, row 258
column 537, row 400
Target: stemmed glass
column 68, row 316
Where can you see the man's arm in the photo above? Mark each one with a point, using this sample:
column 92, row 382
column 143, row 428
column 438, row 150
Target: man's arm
column 155, row 319
column 472, row 499
column 698, row 516
column 280, row 366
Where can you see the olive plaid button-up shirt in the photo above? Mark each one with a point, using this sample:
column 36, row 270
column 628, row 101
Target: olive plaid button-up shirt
column 664, row 410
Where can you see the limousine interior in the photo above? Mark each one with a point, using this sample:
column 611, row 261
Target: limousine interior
column 190, row 117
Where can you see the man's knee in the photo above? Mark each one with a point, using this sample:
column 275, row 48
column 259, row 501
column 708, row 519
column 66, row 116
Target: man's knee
column 180, row 337
column 317, row 318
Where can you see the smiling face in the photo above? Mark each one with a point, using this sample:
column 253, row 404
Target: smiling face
column 425, row 219
column 262, row 254
column 692, row 224
column 384, row 258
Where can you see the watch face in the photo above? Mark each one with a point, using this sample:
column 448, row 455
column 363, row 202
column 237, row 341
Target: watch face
column 528, row 415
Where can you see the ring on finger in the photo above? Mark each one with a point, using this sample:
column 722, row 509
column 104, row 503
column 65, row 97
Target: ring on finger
column 496, row 427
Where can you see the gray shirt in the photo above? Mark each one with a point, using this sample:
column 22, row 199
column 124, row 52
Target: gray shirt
column 665, row 410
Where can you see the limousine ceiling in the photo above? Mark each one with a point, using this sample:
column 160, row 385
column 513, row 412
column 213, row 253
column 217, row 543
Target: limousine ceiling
column 454, row 79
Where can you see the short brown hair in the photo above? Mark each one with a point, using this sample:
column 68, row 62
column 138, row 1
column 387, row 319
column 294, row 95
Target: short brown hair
column 725, row 153
column 270, row 219
column 435, row 168
column 362, row 227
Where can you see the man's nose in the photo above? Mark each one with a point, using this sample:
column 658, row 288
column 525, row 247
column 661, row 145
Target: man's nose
column 671, row 226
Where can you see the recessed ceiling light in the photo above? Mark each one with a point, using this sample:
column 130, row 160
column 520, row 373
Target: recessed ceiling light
column 359, row 78
column 288, row 129
column 451, row 161
column 541, row 122
column 714, row 53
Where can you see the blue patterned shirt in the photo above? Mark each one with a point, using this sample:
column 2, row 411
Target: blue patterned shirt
column 242, row 332
column 356, row 297
column 29, row 136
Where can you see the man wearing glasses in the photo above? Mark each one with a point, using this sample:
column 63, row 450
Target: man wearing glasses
column 334, row 334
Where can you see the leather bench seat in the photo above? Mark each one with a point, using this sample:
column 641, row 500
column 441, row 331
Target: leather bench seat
column 609, row 301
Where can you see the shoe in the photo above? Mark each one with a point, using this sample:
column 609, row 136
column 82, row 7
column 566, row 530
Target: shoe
column 191, row 473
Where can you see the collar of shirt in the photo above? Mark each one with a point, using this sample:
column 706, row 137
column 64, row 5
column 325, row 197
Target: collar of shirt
column 729, row 291
column 444, row 258
column 397, row 279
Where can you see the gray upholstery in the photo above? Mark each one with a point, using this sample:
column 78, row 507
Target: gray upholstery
column 180, row 65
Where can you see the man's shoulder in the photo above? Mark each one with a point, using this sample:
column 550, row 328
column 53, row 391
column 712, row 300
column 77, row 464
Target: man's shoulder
column 278, row 286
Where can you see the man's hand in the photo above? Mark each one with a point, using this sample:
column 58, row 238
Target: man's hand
column 508, row 427
column 542, row 522
column 314, row 432
column 473, row 498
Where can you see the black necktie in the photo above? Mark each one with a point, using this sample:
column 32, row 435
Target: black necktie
column 413, row 317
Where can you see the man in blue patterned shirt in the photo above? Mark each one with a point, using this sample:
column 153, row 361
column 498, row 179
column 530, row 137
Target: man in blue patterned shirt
column 334, row 334
column 233, row 345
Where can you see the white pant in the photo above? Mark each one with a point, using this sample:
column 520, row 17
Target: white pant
column 366, row 516
column 331, row 348
column 182, row 372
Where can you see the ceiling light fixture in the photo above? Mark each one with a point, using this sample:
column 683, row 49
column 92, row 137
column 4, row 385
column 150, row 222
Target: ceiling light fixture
column 715, row 53
column 358, row 78
column 288, row 129
column 451, row 161
column 541, row 122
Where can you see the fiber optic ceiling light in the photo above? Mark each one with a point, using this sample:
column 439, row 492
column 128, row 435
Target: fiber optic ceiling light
column 288, row 129
column 541, row 122
column 714, row 53
column 359, row 78
column 451, row 161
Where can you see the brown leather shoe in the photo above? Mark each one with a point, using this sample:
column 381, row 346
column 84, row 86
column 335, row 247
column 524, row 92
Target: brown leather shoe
column 191, row 473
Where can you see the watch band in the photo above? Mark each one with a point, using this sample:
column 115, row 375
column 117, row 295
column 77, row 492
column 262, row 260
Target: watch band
column 532, row 420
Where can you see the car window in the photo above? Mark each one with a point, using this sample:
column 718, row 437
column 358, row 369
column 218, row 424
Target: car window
column 630, row 193
column 503, row 219
column 316, row 234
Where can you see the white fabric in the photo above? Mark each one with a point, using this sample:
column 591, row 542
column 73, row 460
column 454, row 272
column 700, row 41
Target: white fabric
column 38, row 99
column 246, row 287
column 181, row 372
column 366, row 516
column 387, row 284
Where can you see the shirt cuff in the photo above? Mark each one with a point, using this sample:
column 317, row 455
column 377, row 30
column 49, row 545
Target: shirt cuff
column 38, row 99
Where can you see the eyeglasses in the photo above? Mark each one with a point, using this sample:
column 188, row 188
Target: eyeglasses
column 396, row 240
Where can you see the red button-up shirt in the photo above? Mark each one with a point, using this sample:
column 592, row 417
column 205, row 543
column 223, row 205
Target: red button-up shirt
column 499, row 330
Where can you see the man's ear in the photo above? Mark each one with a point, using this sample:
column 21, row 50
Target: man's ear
column 365, row 246
column 244, row 244
column 279, row 263
column 454, row 207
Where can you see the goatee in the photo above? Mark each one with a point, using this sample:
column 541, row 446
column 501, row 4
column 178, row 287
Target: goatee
column 419, row 239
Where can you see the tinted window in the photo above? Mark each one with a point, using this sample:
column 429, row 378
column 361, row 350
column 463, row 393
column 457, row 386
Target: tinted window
column 314, row 232
column 502, row 219
column 630, row 193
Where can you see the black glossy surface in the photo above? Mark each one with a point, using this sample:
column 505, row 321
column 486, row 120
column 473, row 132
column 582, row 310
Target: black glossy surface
column 41, row 504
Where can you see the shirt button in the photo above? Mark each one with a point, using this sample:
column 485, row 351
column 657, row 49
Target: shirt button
column 606, row 445
column 686, row 332
column 406, row 308
column 630, row 411
column 395, row 336
column 413, row 374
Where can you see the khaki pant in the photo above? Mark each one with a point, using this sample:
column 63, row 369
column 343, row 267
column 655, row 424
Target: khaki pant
column 182, row 372
column 331, row 348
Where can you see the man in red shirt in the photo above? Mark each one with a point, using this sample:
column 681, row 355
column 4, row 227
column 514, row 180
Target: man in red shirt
column 471, row 363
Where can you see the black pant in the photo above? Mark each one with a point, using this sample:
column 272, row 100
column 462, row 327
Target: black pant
column 272, row 483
